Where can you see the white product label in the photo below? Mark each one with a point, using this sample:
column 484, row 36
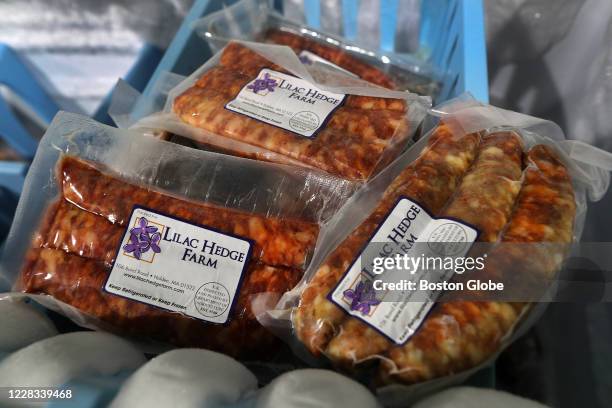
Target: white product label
column 308, row 58
column 179, row 266
column 408, row 233
column 286, row 101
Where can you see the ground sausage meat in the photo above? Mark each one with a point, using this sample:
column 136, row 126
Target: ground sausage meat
column 358, row 138
column 80, row 233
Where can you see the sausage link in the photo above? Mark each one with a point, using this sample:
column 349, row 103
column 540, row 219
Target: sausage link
column 284, row 242
column 456, row 336
column 488, row 191
column 547, row 206
column 240, row 58
column 430, row 180
column 350, row 155
column 489, row 187
column 81, row 233
column 334, row 55
column 460, row 335
column 79, row 282
column 536, row 242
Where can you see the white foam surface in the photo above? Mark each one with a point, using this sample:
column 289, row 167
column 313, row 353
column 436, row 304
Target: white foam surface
column 187, row 378
column 21, row 325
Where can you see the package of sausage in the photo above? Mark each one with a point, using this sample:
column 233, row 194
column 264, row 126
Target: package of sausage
column 405, row 291
column 155, row 240
column 255, row 21
column 259, row 101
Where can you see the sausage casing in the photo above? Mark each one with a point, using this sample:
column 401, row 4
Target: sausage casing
column 489, row 187
column 459, row 335
column 430, row 180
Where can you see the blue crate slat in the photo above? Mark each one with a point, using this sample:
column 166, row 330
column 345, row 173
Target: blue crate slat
column 312, row 13
column 427, row 30
column 176, row 59
column 452, row 46
column 452, row 35
column 14, row 134
column 451, row 58
column 138, row 77
column 350, row 8
column 388, row 24
column 474, row 70
column 12, row 175
column 16, row 76
column 445, row 40
column 19, row 78
column 431, row 31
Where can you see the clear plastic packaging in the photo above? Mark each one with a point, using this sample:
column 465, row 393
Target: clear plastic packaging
column 156, row 240
column 256, row 21
column 510, row 177
column 317, row 117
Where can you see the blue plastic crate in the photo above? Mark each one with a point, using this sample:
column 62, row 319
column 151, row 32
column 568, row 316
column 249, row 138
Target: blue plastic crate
column 18, row 78
column 452, row 37
column 453, row 34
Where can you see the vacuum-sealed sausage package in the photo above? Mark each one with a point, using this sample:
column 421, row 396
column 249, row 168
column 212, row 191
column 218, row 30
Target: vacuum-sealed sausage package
column 159, row 241
column 405, row 291
column 256, row 21
column 259, row 101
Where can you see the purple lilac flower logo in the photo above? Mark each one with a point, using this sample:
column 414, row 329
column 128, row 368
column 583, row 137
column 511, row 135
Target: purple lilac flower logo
column 363, row 297
column 266, row 83
column 143, row 237
column 304, row 59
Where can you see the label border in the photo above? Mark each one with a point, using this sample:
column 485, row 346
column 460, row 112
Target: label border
column 314, row 134
column 329, row 296
column 240, row 280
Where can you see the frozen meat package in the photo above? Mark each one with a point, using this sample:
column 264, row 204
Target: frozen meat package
column 256, row 21
column 159, row 241
column 481, row 176
column 259, row 101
